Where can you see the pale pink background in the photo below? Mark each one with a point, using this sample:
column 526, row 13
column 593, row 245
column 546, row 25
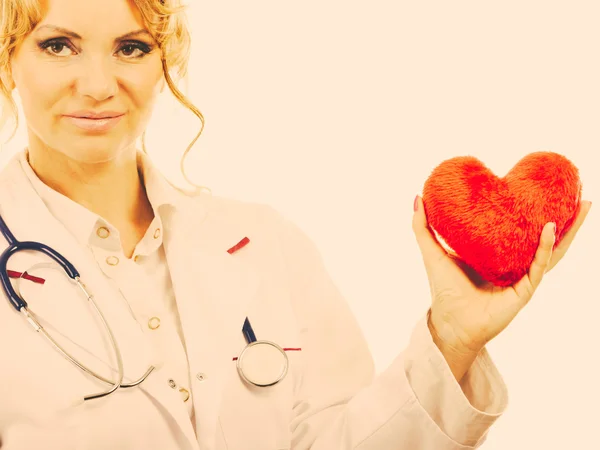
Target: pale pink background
column 335, row 112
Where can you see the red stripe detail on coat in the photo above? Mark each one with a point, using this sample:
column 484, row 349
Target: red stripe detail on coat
column 239, row 245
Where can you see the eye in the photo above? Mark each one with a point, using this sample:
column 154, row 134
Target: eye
column 53, row 45
column 143, row 49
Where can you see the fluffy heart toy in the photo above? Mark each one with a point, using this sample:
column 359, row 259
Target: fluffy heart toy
column 494, row 224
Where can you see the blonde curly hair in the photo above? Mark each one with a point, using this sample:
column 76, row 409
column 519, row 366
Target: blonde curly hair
column 164, row 19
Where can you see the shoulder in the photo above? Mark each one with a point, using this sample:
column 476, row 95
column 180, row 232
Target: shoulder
column 248, row 211
column 231, row 212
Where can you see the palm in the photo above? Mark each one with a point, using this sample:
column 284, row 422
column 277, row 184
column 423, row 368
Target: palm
column 476, row 311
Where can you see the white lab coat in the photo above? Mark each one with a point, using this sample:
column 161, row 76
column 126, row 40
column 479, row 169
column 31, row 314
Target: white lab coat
column 330, row 399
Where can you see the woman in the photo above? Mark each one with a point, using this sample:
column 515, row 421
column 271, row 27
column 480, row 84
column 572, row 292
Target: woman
column 175, row 278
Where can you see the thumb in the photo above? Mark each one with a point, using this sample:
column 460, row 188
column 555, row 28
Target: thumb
column 431, row 249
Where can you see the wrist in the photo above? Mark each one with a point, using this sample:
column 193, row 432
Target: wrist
column 458, row 358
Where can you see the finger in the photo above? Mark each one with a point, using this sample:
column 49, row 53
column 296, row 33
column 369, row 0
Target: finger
column 541, row 261
column 527, row 285
column 431, row 249
column 566, row 240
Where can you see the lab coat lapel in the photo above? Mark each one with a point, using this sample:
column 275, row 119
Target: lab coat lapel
column 213, row 291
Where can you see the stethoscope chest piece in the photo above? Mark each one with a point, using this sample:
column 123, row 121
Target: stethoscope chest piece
column 262, row 363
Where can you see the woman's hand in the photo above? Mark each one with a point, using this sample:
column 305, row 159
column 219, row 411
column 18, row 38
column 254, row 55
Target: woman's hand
column 467, row 312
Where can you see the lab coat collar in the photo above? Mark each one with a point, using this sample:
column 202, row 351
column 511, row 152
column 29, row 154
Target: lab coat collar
column 213, row 289
column 80, row 221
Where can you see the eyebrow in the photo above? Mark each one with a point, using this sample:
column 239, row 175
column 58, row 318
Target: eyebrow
column 76, row 36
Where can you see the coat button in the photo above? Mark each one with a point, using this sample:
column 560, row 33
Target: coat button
column 157, row 233
column 137, row 258
column 201, row 376
column 103, row 232
column 112, row 260
column 185, row 394
column 154, row 323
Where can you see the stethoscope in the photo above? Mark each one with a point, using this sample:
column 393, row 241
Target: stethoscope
column 261, row 363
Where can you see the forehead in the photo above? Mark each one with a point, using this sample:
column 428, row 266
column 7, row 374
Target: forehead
column 90, row 18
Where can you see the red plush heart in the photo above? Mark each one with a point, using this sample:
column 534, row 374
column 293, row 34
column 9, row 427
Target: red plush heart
column 494, row 224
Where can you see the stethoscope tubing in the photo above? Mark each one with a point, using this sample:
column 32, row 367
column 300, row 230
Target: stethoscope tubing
column 15, row 246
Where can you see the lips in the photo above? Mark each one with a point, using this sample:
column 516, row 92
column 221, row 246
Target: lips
column 95, row 115
column 95, row 125
column 96, row 118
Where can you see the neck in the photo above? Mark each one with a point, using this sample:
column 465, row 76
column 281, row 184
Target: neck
column 113, row 189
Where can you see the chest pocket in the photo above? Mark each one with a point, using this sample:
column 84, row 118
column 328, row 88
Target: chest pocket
column 255, row 416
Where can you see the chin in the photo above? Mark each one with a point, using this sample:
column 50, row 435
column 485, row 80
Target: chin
column 94, row 150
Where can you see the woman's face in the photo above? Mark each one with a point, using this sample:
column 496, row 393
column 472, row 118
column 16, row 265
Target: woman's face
column 59, row 75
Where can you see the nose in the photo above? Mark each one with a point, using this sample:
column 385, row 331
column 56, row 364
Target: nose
column 97, row 79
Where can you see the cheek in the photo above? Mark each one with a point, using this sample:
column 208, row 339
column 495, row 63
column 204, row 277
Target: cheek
column 144, row 97
column 144, row 88
column 36, row 85
column 38, row 93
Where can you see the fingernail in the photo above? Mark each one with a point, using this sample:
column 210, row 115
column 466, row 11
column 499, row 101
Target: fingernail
column 553, row 228
column 416, row 205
